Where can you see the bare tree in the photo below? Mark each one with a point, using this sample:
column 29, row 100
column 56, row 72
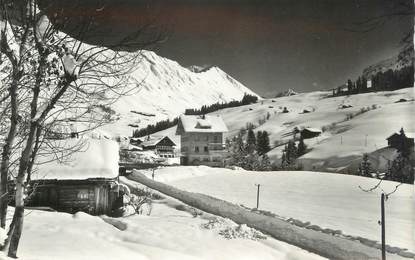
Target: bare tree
column 55, row 78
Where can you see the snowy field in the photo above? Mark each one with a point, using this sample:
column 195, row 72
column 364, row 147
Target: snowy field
column 328, row 200
column 166, row 234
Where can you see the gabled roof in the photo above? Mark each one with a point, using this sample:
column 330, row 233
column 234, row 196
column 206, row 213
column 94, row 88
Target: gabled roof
column 91, row 159
column 203, row 124
column 154, row 140
column 407, row 135
column 313, row 130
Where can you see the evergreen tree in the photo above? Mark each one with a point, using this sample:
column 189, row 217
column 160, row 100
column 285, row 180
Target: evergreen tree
column 349, row 86
column 289, row 156
column 263, row 142
column 265, row 163
column 238, row 151
column 365, row 166
column 251, row 141
column 302, row 148
column 291, row 152
column 401, row 170
column 284, row 162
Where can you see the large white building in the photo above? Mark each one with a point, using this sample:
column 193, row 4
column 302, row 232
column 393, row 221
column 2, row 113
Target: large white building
column 202, row 139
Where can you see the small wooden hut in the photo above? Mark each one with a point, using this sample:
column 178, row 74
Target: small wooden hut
column 85, row 181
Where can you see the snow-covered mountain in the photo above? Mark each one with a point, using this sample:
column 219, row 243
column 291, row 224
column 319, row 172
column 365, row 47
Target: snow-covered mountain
column 165, row 89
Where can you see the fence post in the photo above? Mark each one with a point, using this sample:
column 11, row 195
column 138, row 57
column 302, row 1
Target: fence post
column 257, row 195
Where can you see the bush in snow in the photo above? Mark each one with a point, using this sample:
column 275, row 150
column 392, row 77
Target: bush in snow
column 242, row 231
column 229, row 230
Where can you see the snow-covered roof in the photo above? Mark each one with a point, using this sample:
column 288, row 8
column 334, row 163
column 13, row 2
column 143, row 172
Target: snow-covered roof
column 207, row 123
column 314, row 130
column 154, row 140
column 96, row 158
column 407, row 134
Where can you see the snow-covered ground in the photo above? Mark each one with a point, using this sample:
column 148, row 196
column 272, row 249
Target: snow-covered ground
column 166, row 234
column 343, row 142
column 328, row 200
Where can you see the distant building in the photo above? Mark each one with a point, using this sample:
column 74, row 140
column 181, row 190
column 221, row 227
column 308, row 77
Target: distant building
column 307, row 132
column 151, row 149
column 369, row 84
column 400, row 140
column 202, row 140
column 161, row 145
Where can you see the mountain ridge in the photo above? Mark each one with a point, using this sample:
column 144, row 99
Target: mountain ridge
column 166, row 89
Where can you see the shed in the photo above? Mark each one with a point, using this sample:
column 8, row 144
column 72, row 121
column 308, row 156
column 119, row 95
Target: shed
column 401, row 140
column 309, row 132
column 86, row 180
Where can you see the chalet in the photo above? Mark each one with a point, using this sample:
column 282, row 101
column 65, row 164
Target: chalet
column 400, row 140
column 150, row 150
column 85, row 181
column 161, row 145
column 202, row 140
column 307, row 132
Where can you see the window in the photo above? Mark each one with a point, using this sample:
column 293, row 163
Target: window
column 216, row 138
column 205, row 149
column 196, row 149
column 83, row 195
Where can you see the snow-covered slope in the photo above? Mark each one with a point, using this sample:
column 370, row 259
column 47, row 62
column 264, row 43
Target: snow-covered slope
column 165, row 89
column 343, row 141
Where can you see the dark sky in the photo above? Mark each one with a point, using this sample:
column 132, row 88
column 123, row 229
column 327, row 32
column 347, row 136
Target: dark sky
column 271, row 45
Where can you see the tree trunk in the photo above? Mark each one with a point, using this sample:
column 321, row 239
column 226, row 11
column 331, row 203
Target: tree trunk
column 18, row 216
column 5, row 160
column 15, row 229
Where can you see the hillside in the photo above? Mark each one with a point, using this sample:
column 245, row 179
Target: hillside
column 342, row 143
column 165, row 89
column 393, row 63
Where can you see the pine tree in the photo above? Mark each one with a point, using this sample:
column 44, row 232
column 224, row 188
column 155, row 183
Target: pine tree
column 284, row 163
column 302, row 148
column 263, row 142
column 265, row 163
column 365, row 166
column 291, row 152
column 401, row 170
column 289, row 156
column 251, row 141
column 238, row 151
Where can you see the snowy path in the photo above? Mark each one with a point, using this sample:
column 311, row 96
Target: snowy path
column 320, row 243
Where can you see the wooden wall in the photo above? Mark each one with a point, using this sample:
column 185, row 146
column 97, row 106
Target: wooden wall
column 95, row 198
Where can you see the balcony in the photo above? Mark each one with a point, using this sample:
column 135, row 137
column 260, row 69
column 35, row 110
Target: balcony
column 216, row 146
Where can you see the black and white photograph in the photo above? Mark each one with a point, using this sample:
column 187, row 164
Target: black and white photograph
column 207, row 130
